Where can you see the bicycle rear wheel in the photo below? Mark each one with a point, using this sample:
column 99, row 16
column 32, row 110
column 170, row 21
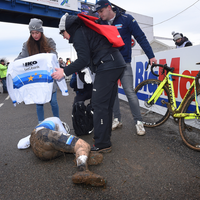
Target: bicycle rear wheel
column 190, row 128
column 157, row 113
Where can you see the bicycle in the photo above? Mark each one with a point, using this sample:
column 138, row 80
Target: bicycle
column 157, row 94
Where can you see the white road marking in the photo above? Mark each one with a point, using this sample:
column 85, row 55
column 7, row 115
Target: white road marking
column 8, row 97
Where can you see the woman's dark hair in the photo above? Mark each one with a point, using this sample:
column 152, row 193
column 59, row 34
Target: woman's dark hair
column 41, row 46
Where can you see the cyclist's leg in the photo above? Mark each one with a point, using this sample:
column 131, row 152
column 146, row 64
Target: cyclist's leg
column 48, row 144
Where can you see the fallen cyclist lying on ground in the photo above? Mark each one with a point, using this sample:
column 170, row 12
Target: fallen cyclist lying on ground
column 50, row 139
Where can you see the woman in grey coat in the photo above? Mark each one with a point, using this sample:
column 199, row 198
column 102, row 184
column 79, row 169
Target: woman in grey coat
column 38, row 43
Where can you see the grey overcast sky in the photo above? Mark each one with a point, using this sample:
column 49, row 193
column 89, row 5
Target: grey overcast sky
column 171, row 15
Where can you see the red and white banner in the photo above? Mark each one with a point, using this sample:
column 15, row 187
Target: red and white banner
column 183, row 60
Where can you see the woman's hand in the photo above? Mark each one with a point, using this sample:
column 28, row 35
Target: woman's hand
column 58, row 74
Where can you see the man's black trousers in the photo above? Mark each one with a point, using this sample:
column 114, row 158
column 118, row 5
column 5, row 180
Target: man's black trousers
column 103, row 96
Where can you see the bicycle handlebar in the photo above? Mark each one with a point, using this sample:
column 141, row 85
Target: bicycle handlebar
column 165, row 67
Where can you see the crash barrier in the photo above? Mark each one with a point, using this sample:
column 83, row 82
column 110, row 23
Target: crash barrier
column 184, row 62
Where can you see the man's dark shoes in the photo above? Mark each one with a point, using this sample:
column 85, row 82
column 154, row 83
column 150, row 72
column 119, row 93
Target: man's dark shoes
column 101, row 150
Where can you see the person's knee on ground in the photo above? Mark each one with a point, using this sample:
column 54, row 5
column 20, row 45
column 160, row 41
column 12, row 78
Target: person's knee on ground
column 43, row 150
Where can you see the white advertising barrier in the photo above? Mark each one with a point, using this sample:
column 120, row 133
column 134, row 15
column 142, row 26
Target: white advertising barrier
column 64, row 4
column 183, row 60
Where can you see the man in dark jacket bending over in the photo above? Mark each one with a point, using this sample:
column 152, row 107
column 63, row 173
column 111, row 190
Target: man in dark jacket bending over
column 110, row 65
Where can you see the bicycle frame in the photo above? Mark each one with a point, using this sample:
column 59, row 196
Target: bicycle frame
column 172, row 105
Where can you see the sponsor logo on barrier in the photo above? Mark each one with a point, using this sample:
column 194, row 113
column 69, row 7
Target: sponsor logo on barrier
column 180, row 84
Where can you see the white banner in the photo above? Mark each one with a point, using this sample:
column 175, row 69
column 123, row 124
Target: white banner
column 64, row 4
column 183, row 60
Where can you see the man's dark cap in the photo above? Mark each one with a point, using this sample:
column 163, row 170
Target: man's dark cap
column 101, row 4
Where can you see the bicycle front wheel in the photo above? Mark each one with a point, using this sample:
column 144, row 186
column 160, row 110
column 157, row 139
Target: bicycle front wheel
column 190, row 128
column 153, row 114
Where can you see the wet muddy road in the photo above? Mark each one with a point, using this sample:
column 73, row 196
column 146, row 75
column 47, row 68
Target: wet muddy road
column 155, row 166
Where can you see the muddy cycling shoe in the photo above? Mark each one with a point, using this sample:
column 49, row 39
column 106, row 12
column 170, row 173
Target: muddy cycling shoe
column 95, row 158
column 88, row 178
column 101, row 150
